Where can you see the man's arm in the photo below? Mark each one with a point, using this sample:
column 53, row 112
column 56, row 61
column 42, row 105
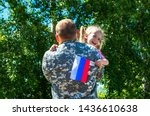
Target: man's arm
column 95, row 54
column 100, row 71
column 47, row 65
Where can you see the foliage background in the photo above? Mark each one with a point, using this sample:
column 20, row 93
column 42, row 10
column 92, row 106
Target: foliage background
column 27, row 31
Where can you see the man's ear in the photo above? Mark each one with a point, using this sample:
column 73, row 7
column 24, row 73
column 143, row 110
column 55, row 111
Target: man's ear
column 57, row 38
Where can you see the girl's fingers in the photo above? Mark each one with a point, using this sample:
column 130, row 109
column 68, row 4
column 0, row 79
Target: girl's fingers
column 53, row 47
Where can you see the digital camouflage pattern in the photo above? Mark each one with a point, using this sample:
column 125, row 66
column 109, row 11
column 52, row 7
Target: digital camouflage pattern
column 57, row 67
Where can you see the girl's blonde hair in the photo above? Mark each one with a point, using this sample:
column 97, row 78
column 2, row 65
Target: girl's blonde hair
column 85, row 32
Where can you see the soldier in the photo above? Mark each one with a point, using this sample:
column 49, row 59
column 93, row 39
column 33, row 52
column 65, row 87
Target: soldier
column 60, row 66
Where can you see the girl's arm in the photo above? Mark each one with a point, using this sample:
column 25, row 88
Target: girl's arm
column 101, row 62
column 102, row 56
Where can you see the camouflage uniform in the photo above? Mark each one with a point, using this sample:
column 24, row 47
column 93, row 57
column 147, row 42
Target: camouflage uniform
column 57, row 67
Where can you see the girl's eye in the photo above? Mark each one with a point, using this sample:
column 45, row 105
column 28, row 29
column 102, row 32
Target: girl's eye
column 94, row 35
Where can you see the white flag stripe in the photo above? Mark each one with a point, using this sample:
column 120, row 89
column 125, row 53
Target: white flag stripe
column 75, row 67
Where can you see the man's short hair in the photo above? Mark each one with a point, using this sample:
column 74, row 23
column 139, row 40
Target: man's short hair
column 66, row 29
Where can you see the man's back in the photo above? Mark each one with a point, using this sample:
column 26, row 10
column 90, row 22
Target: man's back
column 57, row 66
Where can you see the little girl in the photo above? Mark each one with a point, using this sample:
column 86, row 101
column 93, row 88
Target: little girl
column 94, row 35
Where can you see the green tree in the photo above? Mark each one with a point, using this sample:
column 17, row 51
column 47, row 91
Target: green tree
column 28, row 30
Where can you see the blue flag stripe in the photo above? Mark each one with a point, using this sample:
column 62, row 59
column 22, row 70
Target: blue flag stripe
column 80, row 69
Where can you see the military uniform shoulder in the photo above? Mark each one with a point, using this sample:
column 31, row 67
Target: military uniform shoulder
column 88, row 46
column 92, row 47
column 49, row 54
column 46, row 53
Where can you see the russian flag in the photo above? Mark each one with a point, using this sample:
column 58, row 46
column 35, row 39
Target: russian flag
column 80, row 69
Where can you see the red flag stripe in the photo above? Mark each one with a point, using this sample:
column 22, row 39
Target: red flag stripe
column 85, row 71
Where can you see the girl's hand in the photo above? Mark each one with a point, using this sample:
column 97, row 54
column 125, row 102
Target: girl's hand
column 101, row 62
column 98, row 63
column 105, row 62
column 53, row 47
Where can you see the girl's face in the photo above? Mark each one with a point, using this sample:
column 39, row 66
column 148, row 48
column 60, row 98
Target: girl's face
column 94, row 38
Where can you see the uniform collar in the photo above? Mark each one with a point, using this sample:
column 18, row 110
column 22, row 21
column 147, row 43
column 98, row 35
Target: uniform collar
column 68, row 41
